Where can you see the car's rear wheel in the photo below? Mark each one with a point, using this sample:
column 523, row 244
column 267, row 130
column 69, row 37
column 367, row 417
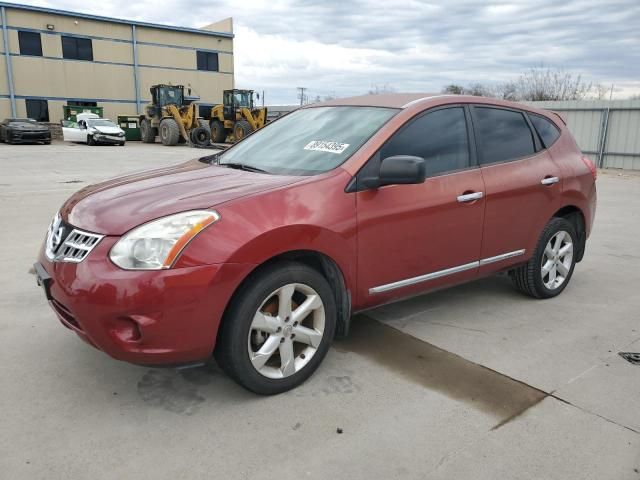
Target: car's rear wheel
column 278, row 328
column 550, row 268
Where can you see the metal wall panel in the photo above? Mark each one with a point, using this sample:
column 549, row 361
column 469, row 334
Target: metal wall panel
column 592, row 122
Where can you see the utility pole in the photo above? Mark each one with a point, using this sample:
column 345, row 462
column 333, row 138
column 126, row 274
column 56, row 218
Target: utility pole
column 302, row 89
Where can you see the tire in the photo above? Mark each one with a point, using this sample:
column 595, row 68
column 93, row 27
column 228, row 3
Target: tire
column 147, row 132
column 218, row 132
column 47, row 142
column 90, row 140
column 239, row 339
column 531, row 278
column 169, row 132
column 121, row 144
column 241, row 129
column 201, row 136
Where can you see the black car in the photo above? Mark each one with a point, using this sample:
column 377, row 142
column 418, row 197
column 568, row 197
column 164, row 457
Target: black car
column 24, row 130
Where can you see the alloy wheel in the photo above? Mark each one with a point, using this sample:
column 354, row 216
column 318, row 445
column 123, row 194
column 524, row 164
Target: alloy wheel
column 286, row 331
column 557, row 260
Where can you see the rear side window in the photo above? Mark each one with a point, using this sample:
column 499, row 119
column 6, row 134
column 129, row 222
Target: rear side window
column 547, row 131
column 440, row 137
column 502, row 135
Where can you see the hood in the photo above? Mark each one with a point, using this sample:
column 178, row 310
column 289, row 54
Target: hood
column 27, row 126
column 108, row 130
column 116, row 206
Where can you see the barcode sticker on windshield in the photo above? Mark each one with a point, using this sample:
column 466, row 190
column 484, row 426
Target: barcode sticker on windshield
column 322, row 146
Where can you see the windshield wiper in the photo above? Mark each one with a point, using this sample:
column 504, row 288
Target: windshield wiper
column 242, row 166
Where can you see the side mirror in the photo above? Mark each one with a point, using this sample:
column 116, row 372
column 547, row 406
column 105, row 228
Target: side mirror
column 398, row 170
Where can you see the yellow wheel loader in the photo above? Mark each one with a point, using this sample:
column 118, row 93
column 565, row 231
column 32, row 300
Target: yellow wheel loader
column 172, row 118
column 236, row 117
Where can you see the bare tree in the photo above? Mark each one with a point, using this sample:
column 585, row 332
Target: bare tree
column 542, row 83
column 476, row 89
column 381, row 89
column 537, row 84
column 453, row 89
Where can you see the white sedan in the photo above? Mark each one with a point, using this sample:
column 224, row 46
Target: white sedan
column 93, row 131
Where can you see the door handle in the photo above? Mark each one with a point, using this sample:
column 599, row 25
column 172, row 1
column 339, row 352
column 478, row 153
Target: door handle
column 549, row 180
column 469, row 197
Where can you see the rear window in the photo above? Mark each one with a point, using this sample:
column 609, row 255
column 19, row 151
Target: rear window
column 503, row 135
column 546, row 129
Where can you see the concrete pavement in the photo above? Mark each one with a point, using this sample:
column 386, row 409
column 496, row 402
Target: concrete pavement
column 473, row 382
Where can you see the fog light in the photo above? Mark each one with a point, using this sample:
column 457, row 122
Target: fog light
column 126, row 330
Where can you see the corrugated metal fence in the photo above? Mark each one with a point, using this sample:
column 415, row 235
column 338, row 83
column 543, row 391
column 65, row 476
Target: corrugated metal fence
column 608, row 132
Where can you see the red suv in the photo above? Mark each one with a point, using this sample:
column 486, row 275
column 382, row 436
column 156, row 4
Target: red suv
column 260, row 255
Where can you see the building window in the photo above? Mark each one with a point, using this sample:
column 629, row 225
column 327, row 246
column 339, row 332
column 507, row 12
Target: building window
column 81, row 103
column 75, row 48
column 207, row 61
column 30, row 43
column 37, row 109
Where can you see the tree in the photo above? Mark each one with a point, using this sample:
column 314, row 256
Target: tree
column 537, row 84
column 381, row 89
column 453, row 89
column 542, row 83
column 476, row 89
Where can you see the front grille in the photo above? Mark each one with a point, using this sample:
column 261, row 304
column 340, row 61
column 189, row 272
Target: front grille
column 77, row 246
column 67, row 244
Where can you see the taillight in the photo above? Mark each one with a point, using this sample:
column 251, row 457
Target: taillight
column 591, row 166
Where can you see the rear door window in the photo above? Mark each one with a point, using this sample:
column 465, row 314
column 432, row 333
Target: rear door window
column 440, row 137
column 502, row 135
column 546, row 129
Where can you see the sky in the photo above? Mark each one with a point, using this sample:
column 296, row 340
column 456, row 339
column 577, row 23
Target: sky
column 348, row 47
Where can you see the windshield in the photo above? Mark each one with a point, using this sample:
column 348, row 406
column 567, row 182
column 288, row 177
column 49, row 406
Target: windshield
column 308, row 141
column 101, row 123
column 242, row 99
column 170, row 95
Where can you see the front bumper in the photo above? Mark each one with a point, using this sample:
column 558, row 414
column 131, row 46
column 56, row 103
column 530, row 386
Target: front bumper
column 29, row 137
column 145, row 317
column 110, row 139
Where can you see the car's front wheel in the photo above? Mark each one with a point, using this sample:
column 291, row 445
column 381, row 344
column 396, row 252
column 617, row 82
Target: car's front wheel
column 278, row 328
column 549, row 270
column 90, row 140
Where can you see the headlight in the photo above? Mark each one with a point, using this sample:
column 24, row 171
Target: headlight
column 157, row 244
